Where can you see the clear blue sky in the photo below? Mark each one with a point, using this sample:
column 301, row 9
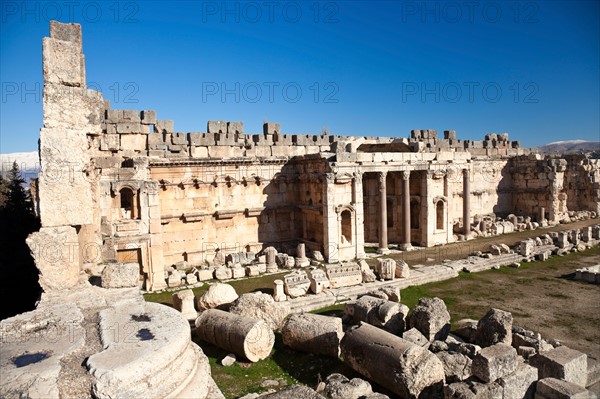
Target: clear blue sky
column 530, row 68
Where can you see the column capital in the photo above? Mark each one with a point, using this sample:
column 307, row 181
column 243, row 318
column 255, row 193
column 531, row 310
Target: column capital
column 381, row 176
column 466, row 172
column 330, row 177
column 406, row 174
column 358, row 176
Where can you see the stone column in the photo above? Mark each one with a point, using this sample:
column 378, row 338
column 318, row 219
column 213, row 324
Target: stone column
column 383, row 233
column 331, row 236
column 359, row 216
column 301, row 259
column 466, row 203
column 271, row 253
column 542, row 214
column 406, row 245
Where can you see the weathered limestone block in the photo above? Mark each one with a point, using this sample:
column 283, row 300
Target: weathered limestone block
column 174, row 279
column 405, row 369
column 338, row 386
column 184, row 302
column 260, row 306
column 387, row 293
column 367, row 274
column 296, row 283
column 244, row 336
column 402, row 269
column 553, row 388
column 382, row 313
column 56, row 254
column 252, row 271
column 148, row 117
column 457, row 366
column 495, row 362
column 318, row 256
column 191, row 278
column 223, row 273
column 344, row 275
column 216, row 127
column 520, row 384
column 386, row 269
column 206, row 274
column 238, row 272
column 318, row 281
column 120, row 275
column 495, row 327
column 472, row 390
column 218, row 295
column 164, row 126
column 62, row 61
column 563, row 239
column 313, row 333
column 64, row 188
column 294, row 392
column 526, row 247
column 414, row 336
column 219, row 258
column 431, row 318
column 562, row 362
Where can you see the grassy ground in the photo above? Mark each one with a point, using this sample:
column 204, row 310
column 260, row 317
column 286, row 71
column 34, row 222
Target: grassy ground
column 542, row 296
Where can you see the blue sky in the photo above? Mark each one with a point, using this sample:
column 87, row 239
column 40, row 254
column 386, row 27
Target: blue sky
column 530, row 68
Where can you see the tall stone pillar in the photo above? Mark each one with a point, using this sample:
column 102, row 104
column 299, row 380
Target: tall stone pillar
column 383, row 233
column 359, row 215
column 331, row 240
column 406, row 245
column 466, row 203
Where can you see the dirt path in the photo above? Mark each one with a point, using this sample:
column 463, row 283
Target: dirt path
column 460, row 250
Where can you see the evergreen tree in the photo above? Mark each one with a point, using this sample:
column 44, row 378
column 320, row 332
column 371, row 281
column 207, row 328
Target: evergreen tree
column 18, row 274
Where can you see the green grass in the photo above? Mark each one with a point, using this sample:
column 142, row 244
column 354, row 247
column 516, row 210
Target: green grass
column 466, row 296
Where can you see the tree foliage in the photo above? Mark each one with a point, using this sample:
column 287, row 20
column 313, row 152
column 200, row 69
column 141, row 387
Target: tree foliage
column 19, row 276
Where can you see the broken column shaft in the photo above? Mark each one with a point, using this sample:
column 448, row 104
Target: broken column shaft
column 408, row 370
column 244, row 336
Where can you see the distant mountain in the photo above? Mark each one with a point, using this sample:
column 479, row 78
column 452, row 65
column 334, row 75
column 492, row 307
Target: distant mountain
column 570, row 147
column 29, row 163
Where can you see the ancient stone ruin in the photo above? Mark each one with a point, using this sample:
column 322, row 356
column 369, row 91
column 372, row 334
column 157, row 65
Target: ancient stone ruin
column 125, row 198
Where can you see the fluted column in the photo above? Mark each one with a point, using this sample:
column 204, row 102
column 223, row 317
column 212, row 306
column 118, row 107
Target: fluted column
column 383, row 233
column 466, row 203
column 406, row 245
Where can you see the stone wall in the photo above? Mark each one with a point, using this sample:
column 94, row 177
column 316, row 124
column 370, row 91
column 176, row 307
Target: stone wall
column 136, row 190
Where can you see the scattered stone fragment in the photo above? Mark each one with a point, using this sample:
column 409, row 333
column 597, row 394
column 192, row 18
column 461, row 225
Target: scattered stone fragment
column 228, row 360
column 553, row 388
column 494, row 362
column 313, row 333
column 495, row 327
column 184, row 302
column 431, row 318
column 260, row 306
column 457, row 367
column 121, row 275
column 563, row 363
column 338, row 386
column 218, row 295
